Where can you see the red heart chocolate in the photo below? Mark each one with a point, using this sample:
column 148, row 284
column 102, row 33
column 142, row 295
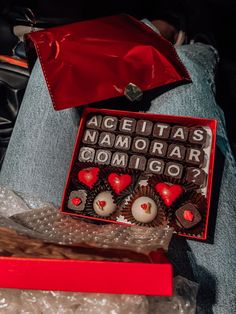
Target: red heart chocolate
column 188, row 215
column 119, row 182
column 169, row 193
column 88, row 176
column 76, row 201
column 144, row 206
column 102, row 203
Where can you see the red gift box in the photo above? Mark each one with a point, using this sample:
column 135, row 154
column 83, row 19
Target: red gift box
column 154, row 278
column 176, row 120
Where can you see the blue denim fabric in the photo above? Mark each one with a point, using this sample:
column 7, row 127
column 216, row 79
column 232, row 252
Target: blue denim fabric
column 39, row 155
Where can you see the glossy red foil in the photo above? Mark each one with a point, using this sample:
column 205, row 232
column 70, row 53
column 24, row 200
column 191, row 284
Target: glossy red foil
column 95, row 60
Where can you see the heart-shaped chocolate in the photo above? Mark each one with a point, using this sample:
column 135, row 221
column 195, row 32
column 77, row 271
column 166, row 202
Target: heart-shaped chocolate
column 76, row 201
column 88, row 176
column 102, row 203
column 119, row 182
column 169, row 193
column 144, row 206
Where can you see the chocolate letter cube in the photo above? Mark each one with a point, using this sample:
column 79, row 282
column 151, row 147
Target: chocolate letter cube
column 86, row 154
column 195, row 156
column 137, row 162
column 94, row 122
column 174, row 170
column 158, row 148
column 109, row 123
column 119, row 160
column 144, row 127
column 155, row 166
column 122, row 142
column 196, row 176
column 140, row 145
column 197, row 135
column 103, row 157
column 176, row 152
column 161, row 130
column 106, row 139
column 90, row 137
column 127, row 125
column 179, row 133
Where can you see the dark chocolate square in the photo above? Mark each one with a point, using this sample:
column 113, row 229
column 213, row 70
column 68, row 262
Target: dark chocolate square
column 161, row 130
column 90, row 136
column 155, row 166
column 140, row 144
column 176, row 152
column 94, row 122
column 86, row 154
column 106, row 139
column 188, row 215
column 127, row 125
column 144, row 127
column 179, row 133
column 196, row 176
column 109, row 123
column 197, row 135
column 103, row 157
column 137, row 162
column 174, row 170
column 119, row 160
column 122, row 142
column 77, row 200
column 158, row 148
column 195, row 156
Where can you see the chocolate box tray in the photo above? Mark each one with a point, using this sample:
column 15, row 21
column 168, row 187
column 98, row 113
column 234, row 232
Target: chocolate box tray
column 144, row 169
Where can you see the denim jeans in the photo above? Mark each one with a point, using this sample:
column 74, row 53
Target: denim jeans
column 40, row 149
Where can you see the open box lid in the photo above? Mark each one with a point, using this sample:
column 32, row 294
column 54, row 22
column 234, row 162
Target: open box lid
column 95, row 60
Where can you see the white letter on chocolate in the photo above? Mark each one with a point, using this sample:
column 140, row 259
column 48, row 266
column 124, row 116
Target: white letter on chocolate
column 119, row 160
column 127, row 125
column 155, row 166
column 157, row 146
column 86, row 154
column 173, row 170
column 194, row 155
column 90, row 136
column 179, row 133
column 123, row 141
column 161, row 128
column 94, row 122
column 176, row 152
column 140, row 144
column 106, row 140
column 198, row 135
column 108, row 122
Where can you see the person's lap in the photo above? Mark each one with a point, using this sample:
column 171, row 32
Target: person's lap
column 40, row 149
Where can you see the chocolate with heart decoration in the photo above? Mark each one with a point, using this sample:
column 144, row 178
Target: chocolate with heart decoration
column 89, row 176
column 188, row 215
column 77, row 200
column 143, row 208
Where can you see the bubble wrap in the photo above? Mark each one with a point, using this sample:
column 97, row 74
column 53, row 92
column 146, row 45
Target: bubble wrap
column 49, row 302
column 30, row 216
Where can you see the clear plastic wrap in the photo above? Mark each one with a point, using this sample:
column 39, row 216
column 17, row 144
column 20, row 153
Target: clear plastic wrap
column 54, row 302
column 31, row 217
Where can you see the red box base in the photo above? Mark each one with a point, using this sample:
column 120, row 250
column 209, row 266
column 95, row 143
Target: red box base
column 89, row 276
